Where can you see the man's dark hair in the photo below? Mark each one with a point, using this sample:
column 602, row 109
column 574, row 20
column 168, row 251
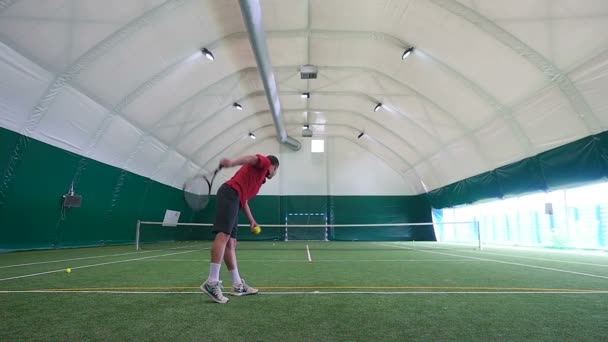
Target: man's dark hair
column 273, row 160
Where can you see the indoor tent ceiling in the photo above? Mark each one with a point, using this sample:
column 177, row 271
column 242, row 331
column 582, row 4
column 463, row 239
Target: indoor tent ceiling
column 489, row 82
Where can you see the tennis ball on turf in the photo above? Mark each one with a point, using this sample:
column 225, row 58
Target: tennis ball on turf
column 68, row 270
column 257, row 230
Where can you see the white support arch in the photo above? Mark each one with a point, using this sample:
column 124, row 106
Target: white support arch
column 553, row 73
column 459, row 124
column 501, row 109
column 4, row 4
column 354, row 113
column 366, row 97
column 90, row 56
column 352, row 140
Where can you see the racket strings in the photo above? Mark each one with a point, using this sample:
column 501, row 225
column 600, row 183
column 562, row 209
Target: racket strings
column 197, row 189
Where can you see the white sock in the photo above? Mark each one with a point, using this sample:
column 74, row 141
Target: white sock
column 214, row 273
column 236, row 277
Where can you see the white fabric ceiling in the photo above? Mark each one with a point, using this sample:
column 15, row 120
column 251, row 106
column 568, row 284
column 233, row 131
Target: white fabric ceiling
column 489, row 83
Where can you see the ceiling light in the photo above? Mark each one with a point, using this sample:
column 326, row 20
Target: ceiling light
column 237, row 106
column 252, row 136
column 407, row 52
column 208, row 54
column 378, row 106
column 305, row 95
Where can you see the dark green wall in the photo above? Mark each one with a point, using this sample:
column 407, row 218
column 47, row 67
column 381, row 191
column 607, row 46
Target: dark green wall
column 582, row 161
column 35, row 175
column 346, row 210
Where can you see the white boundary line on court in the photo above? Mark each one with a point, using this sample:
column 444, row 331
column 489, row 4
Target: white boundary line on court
column 500, row 262
column 73, row 259
column 308, row 252
column 317, row 292
column 90, row 257
column 94, row 265
column 541, row 259
column 325, row 260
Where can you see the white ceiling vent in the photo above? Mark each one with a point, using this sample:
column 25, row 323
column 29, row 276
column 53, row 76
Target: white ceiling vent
column 308, row 72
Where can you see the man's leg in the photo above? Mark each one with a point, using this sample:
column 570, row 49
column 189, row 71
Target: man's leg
column 217, row 254
column 231, row 263
column 225, row 219
column 239, row 287
column 213, row 287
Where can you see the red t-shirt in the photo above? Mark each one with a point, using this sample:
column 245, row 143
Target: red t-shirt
column 249, row 178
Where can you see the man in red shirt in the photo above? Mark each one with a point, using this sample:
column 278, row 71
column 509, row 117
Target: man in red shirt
column 231, row 196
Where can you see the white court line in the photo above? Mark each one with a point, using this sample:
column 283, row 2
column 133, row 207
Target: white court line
column 93, row 265
column 90, row 257
column 320, row 292
column 73, row 259
column 502, row 262
column 308, row 252
column 323, row 260
column 541, row 259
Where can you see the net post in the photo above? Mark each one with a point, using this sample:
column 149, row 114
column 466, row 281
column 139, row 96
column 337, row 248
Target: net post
column 137, row 247
column 476, row 223
column 286, row 238
column 326, row 230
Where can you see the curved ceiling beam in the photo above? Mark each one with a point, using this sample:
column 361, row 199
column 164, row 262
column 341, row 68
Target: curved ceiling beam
column 369, row 35
column 501, row 109
column 230, row 77
column 133, row 95
column 90, row 56
column 205, row 144
column 460, row 125
column 4, row 4
column 261, row 93
column 171, row 147
column 109, row 117
column 377, row 141
column 371, row 138
column 488, row 98
column 553, row 73
column 465, row 131
column 129, row 98
column 260, row 128
column 593, row 60
column 261, row 139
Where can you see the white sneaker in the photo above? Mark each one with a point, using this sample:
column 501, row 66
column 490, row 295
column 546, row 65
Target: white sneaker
column 243, row 289
column 214, row 290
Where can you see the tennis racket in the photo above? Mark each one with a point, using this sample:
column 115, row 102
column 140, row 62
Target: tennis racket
column 197, row 189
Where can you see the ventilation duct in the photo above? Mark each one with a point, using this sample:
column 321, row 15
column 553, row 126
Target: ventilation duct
column 252, row 15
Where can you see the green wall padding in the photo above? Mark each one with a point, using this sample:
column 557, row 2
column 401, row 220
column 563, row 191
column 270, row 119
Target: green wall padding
column 341, row 210
column 510, row 178
column 381, row 209
column 579, row 162
column 35, row 175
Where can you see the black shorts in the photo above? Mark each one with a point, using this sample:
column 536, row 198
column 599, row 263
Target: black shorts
column 227, row 213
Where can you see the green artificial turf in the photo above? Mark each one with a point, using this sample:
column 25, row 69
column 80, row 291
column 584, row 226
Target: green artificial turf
column 350, row 291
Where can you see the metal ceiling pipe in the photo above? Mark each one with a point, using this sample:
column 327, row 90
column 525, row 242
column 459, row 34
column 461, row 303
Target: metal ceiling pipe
column 252, row 15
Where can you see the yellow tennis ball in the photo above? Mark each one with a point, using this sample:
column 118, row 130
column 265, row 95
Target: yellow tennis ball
column 69, row 270
column 257, row 230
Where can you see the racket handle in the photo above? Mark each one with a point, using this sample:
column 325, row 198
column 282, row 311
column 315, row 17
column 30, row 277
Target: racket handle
column 218, row 169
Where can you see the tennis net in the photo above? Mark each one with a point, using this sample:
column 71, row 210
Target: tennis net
column 447, row 235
